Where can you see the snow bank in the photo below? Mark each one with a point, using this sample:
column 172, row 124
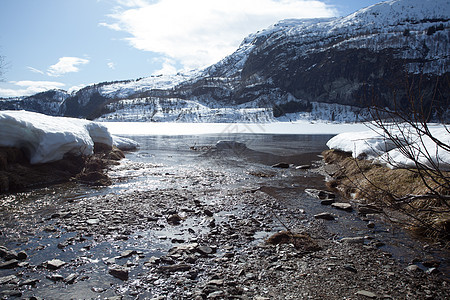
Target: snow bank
column 373, row 144
column 46, row 139
column 124, row 144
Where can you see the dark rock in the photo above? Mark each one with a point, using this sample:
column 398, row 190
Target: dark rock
column 367, row 209
column 432, row 271
column 208, row 213
column 324, row 216
column 175, row 268
column 281, row 165
column 350, row 268
column 3, row 251
column 22, row 255
column 31, row 282
column 10, row 264
column 119, row 272
column 370, row 224
column 327, row 201
column 174, row 219
column 431, row 263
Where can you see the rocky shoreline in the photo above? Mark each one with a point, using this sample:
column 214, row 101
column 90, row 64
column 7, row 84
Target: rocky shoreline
column 204, row 240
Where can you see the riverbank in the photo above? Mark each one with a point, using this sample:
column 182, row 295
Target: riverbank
column 401, row 194
column 17, row 174
column 200, row 232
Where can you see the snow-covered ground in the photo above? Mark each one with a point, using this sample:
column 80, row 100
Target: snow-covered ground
column 46, row 139
column 374, row 144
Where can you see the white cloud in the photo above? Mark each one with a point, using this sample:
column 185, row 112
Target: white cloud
column 111, row 65
column 34, row 70
column 197, row 33
column 168, row 67
column 66, row 65
column 28, row 87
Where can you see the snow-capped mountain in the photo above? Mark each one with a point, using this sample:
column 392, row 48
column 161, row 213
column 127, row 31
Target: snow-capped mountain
column 313, row 69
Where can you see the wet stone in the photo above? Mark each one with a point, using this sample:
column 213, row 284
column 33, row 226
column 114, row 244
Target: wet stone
column 10, row 264
column 324, row 216
column 119, row 272
column 31, row 282
column 8, row 279
column 320, row 194
column 327, row 202
column 93, row 221
column 366, row 294
column 55, row 264
column 22, row 255
column 281, row 165
column 71, row 278
column 342, row 206
column 413, row 268
column 350, row 268
column 55, row 277
column 175, row 268
column 205, row 250
column 11, row 293
column 127, row 253
column 174, row 219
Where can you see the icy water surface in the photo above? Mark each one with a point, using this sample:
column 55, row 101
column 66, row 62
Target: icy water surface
column 64, row 221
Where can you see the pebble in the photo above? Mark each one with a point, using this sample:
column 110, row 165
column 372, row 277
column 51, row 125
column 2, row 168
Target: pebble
column 281, row 165
column 174, row 219
column 350, row 268
column 71, row 278
column 366, row 294
column 175, row 268
column 8, row 279
column 10, row 264
column 342, row 206
column 29, row 282
column 413, row 268
column 119, row 272
column 324, row 216
column 55, row 264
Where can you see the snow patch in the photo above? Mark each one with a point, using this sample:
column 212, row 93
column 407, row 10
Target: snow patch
column 377, row 146
column 46, row 139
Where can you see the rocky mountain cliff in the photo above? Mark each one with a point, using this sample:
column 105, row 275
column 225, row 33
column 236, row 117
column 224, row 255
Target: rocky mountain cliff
column 317, row 68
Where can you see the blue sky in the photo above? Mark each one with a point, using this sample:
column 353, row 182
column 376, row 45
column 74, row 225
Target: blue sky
column 68, row 44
